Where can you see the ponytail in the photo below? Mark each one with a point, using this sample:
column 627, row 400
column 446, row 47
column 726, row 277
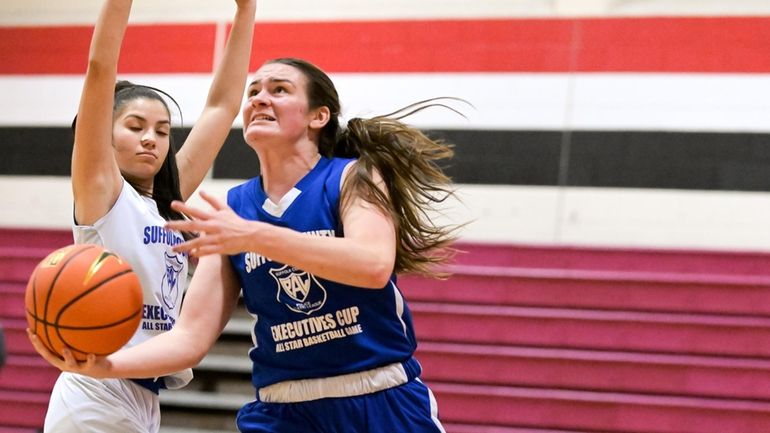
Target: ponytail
column 408, row 162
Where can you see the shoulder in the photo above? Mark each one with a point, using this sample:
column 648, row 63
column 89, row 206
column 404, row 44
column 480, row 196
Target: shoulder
column 336, row 171
column 238, row 189
column 236, row 193
column 339, row 167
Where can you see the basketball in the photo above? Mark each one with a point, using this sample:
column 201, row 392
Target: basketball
column 85, row 298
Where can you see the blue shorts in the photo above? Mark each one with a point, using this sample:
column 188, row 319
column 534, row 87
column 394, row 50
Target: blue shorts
column 405, row 408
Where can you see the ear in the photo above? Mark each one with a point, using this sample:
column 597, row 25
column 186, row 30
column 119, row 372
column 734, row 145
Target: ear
column 320, row 117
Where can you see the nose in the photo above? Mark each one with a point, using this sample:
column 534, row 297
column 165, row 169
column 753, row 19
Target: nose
column 259, row 99
column 148, row 138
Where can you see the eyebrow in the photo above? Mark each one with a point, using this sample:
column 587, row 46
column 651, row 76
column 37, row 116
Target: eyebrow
column 136, row 116
column 273, row 80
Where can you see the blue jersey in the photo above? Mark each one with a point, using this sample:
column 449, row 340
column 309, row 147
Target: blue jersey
column 306, row 326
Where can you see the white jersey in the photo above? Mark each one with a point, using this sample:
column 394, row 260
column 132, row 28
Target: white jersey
column 133, row 229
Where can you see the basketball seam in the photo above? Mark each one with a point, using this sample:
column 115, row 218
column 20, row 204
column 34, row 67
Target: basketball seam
column 34, row 313
column 80, row 296
column 53, row 284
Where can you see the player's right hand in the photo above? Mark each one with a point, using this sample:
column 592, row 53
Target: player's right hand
column 67, row 362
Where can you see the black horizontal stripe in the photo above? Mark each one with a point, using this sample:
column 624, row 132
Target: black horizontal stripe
column 627, row 159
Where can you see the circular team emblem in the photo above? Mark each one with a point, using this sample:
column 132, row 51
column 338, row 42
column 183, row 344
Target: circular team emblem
column 299, row 291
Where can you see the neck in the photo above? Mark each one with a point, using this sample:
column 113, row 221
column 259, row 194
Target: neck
column 280, row 173
column 142, row 187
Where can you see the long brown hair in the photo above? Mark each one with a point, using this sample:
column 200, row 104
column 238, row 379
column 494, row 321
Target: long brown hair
column 408, row 161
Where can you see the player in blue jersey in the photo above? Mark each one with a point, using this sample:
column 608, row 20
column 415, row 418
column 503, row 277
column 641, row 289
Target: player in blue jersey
column 125, row 174
column 316, row 242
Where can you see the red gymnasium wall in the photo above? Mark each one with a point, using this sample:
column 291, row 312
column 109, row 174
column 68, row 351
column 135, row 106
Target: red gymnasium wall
column 650, row 44
column 628, row 123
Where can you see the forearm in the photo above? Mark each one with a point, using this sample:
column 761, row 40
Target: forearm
column 95, row 174
column 222, row 105
column 209, row 302
column 364, row 257
column 358, row 262
column 162, row 355
column 234, row 65
column 108, row 36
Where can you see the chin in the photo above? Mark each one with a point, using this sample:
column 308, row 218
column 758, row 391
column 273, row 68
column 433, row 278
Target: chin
column 254, row 136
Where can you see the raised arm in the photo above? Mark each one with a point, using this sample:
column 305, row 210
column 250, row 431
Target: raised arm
column 223, row 104
column 96, row 179
column 209, row 302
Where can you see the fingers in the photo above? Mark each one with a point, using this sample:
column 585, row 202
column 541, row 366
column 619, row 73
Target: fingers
column 90, row 361
column 38, row 345
column 69, row 359
column 207, row 250
column 210, row 226
column 198, row 216
column 196, row 213
column 213, row 201
column 185, row 247
column 185, row 226
column 43, row 351
column 189, row 210
column 201, row 246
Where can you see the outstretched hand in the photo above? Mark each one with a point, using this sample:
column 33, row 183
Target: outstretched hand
column 221, row 230
column 94, row 366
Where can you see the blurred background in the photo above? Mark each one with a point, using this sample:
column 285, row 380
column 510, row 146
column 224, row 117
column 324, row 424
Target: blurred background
column 610, row 122
column 614, row 165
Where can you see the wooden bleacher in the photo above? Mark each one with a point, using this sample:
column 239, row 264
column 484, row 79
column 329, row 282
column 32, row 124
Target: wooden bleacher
column 522, row 339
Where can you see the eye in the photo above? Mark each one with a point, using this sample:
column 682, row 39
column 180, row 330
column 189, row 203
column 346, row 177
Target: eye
column 162, row 133
column 279, row 89
column 252, row 92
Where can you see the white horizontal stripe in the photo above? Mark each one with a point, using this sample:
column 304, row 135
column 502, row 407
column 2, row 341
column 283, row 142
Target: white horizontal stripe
column 52, row 100
column 25, row 12
column 499, row 101
column 545, row 215
column 674, row 102
column 695, row 102
column 346, row 385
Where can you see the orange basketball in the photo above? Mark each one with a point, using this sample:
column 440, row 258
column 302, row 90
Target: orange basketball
column 85, row 298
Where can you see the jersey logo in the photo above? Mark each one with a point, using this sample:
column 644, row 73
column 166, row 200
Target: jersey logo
column 55, row 257
column 170, row 285
column 299, row 291
column 97, row 264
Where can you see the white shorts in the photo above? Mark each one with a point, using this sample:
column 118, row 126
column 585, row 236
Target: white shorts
column 81, row 404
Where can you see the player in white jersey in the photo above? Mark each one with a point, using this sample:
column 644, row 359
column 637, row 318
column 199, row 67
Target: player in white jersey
column 315, row 242
column 125, row 174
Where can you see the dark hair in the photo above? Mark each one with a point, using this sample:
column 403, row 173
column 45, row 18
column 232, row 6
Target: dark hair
column 165, row 187
column 407, row 160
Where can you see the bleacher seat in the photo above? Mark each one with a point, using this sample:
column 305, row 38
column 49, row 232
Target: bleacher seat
column 521, row 339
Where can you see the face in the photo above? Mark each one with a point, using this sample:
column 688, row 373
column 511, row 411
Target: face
column 141, row 139
column 277, row 106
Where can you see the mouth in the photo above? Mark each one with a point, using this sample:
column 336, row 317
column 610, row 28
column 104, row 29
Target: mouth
column 150, row 154
column 264, row 117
